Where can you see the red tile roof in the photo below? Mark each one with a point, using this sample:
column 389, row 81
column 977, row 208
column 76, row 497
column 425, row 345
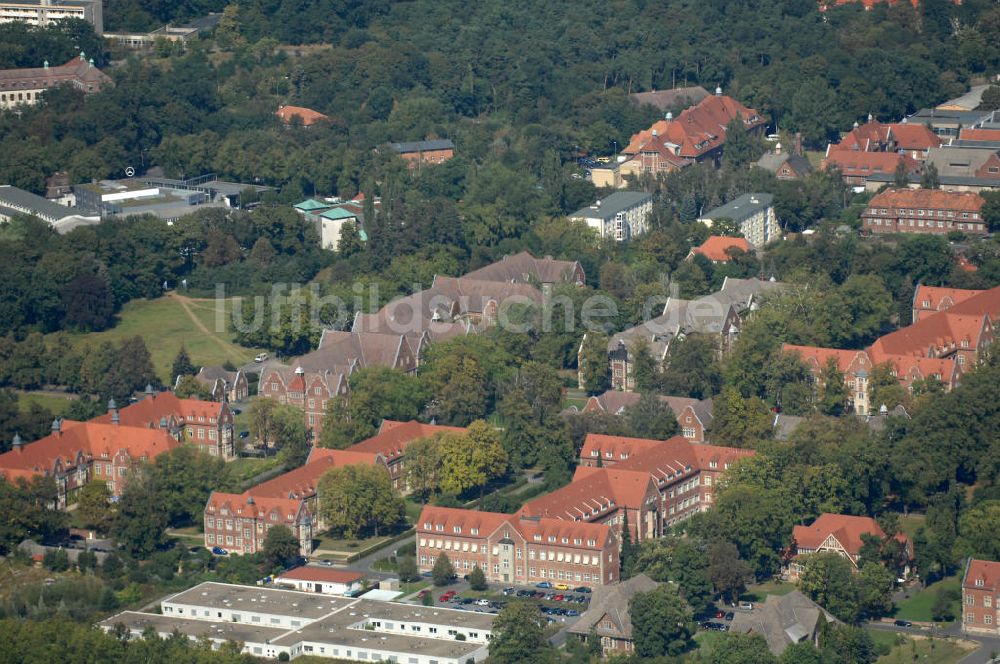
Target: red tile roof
column 301, row 482
column 935, row 199
column 149, row 411
column 697, row 130
column 81, row 441
column 487, row 523
column 307, row 115
column 938, row 298
column 621, row 447
column 875, row 137
column 320, row 574
column 717, row 248
column 970, row 134
column 936, row 335
column 249, row 504
column 914, row 136
column 909, row 368
column 848, row 361
column 863, row 164
column 846, row 529
column 986, row 571
column 393, row 437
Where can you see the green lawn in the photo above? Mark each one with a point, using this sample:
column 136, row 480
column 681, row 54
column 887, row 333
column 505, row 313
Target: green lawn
column 242, row 470
column 56, row 404
column 706, row 643
column 165, row 325
column 759, row 591
column 910, row 523
column 932, row 651
column 918, row 607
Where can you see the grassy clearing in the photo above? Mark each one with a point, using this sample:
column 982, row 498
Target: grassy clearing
column 242, row 470
column 56, row 404
column 759, row 591
column 330, row 544
column 910, row 523
column 918, row 607
column 932, row 651
column 166, row 325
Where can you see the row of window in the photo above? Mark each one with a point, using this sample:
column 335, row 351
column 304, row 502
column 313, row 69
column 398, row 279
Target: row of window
column 930, row 224
column 970, row 600
column 971, row 618
column 950, row 214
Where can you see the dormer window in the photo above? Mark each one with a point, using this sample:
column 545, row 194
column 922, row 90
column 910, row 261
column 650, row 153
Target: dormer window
column 537, row 538
column 475, row 531
column 979, row 582
column 595, row 453
column 439, row 527
column 565, row 540
column 457, row 530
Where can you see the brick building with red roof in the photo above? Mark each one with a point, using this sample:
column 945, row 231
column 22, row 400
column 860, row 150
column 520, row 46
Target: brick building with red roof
column 856, row 167
column 205, row 424
column 76, row 453
column 855, row 365
column 656, row 483
column 697, row 134
column 929, row 300
column 518, row 548
column 979, row 134
column 981, row 597
column 915, row 140
column 721, row 249
column 842, row 534
column 385, row 450
column 924, row 211
column 694, row 415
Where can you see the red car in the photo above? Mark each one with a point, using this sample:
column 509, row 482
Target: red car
column 447, row 596
column 423, row 593
column 720, row 614
column 557, row 598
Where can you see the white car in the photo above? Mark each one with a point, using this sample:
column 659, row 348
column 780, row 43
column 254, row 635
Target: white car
column 260, row 357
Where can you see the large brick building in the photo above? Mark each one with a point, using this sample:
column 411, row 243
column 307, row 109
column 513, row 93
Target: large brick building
column 697, row 134
column 418, row 153
column 855, row 365
column 929, row 300
column 516, row 548
column 239, row 522
column 650, row 483
column 205, row 424
column 76, row 453
column 981, row 597
column 856, row 168
column 929, row 211
column 914, row 140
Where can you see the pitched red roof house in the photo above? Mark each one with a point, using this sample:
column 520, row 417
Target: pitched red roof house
column 980, row 586
column 914, row 139
column 78, row 452
column 978, row 134
column 931, row 299
column 342, row 576
column 944, row 334
column 924, row 211
column 719, row 249
column 856, row 167
column 839, row 533
column 393, row 437
column 697, row 133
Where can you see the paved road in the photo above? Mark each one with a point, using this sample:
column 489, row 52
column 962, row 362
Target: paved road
column 989, row 647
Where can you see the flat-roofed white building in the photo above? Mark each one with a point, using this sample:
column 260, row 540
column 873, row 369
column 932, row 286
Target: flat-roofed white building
column 269, row 622
column 621, row 216
column 46, row 12
column 753, row 215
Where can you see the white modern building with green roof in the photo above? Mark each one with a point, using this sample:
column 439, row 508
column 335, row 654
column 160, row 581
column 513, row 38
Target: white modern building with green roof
column 330, row 219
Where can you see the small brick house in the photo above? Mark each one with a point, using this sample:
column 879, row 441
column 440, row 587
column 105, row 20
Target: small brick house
column 981, row 598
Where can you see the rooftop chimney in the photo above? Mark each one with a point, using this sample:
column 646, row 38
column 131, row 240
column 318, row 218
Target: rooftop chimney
column 777, row 148
column 871, row 118
column 718, row 90
column 46, row 65
column 57, row 425
column 17, row 443
column 669, row 116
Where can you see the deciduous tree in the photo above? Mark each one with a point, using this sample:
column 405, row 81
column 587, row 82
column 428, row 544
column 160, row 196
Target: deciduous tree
column 661, row 623
column 359, row 499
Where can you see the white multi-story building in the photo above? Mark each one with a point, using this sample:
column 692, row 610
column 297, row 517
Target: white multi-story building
column 620, row 216
column 269, row 622
column 753, row 215
column 46, row 12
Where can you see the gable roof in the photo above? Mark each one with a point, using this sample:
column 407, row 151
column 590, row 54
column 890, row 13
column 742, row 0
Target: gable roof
column 79, row 442
column 523, row 267
column 394, row 437
column 939, row 298
column 531, row 529
column 863, row 164
column 961, row 161
column 345, row 349
column 772, row 161
column 979, row 134
column 309, row 117
column 783, row 620
column 845, row 528
column 321, row 574
column 817, row 357
column 667, row 100
column 985, row 571
column 717, row 247
column 938, row 334
column 612, row 601
column 696, row 130
column 150, row 411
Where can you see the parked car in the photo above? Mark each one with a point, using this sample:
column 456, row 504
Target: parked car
column 719, row 615
column 558, row 598
column 581, row 589
column 543, row 584
column 746, row 606
column 729, row 615
column 260, row 357
column 562, row 586
column 903, row 623
column 326, row 563
column 446, row 597
column 508, row 591
column 219, row 551
column 483, row 602
column 572, row 613
column 423, row 593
